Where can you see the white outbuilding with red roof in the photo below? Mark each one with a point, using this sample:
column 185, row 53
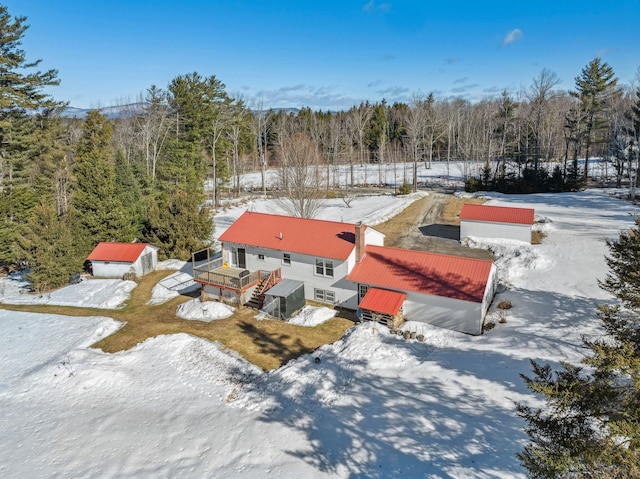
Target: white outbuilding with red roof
column 115, row 260
column 484, row 221
column 451, row 292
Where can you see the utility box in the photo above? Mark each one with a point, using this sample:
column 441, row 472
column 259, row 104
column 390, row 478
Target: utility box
column 284, row 299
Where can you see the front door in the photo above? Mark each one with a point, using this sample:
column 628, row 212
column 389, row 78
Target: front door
column 242, row 258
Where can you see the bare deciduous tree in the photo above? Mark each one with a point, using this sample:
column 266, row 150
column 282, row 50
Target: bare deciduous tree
column 303, row 177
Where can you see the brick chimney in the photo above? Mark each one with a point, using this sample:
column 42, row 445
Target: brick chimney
column 359, row 241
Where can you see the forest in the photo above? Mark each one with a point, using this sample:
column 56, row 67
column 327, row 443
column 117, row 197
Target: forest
column 156, row 171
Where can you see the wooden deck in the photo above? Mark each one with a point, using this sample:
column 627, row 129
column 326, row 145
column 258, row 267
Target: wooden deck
column 225, row 277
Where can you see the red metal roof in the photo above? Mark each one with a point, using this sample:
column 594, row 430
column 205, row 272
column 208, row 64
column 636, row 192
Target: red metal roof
column 427, row 273
column 124, row 252
column 497, row 214
column 326, row 239
column 382, row 301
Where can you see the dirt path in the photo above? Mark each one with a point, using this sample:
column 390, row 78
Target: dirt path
column 430, row 224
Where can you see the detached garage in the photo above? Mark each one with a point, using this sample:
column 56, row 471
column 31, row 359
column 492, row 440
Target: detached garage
column 450, row 292
column 115, row 260
column 482, row 221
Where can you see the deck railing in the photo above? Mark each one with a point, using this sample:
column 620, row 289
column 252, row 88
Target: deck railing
column 212, row 272
column 215, row 278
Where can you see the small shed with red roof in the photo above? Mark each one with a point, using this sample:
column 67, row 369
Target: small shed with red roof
column 117, row 260
column 383, row 306
column 484, row 221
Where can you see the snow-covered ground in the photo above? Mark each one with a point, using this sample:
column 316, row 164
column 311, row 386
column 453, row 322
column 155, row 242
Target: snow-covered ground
column 439, row 173
column 371, row 211
column 94, row 293
column 374, row 405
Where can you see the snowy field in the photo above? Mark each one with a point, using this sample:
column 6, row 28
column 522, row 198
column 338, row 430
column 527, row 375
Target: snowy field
column 374, row 406
column 440, row 173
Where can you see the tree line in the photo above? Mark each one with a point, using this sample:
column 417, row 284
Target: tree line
column 153, row 172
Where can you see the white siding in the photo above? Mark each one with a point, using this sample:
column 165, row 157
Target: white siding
column 111, row 269
column 117, row 269
column 455, row 314
column 302, row 268
column 490, row 290
column 486, row 229
column 373, row 237
column 137, row 265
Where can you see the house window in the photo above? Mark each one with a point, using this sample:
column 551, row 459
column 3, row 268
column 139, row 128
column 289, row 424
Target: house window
column 362, row 290
column 260, row 256
column 286, row 258
column 234, row 256
column 323, row 295
column 324, row 267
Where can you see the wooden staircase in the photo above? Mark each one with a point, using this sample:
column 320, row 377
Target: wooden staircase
column 267, row 280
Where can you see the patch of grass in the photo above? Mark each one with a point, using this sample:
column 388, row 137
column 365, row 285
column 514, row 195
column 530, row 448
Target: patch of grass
column 537, row 236
column 504, row 305
column 267, row 343
column 488, row 326
column 450, row 213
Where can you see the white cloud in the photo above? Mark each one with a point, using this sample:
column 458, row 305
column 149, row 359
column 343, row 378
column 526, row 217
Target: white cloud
column 513, row 36
column 371, row 6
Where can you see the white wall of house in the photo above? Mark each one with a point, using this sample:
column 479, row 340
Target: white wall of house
column 335, row 289
column 373, row 237
column 117, row 269
column 487, row 229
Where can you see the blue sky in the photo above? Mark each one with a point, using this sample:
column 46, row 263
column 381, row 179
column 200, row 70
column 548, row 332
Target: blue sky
column 326, row 55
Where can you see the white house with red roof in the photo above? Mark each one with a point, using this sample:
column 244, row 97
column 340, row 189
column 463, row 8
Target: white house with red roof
column 317, row 252
column 484, row 221
column 347, row 265
column 114, row 260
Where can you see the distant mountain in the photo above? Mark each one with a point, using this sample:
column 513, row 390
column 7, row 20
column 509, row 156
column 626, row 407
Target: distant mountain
column 132, row 109
column 118, row 111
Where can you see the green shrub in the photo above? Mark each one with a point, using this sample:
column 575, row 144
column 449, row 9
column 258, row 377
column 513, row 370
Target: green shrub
column 404, row 189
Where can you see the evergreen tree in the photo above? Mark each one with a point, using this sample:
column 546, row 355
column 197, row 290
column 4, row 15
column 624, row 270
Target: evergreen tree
column 178, row 225
column 129, row 193
column 24, row 110
column 101, row 211
column 595, row 87
column 591, row 425
column 48, row 243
